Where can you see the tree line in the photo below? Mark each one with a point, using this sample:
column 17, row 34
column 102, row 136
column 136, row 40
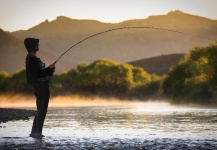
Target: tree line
column 103, row 77
column 193, row 80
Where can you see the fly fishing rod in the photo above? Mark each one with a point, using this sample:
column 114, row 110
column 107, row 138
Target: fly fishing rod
column 136, row 27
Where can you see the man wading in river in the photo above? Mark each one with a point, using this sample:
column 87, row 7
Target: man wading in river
column 38, row 77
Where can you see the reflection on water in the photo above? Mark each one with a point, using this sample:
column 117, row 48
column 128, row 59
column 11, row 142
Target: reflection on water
column 120, row 127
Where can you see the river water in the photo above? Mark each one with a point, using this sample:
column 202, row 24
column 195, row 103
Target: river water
column 139, row 126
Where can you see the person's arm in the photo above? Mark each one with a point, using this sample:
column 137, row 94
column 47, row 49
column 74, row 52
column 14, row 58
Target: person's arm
column 52, row 67
column 37, row 70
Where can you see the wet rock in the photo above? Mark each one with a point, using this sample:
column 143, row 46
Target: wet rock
column 15, row 114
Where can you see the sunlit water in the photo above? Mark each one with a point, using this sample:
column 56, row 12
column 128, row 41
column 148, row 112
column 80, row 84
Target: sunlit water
column 143, row 126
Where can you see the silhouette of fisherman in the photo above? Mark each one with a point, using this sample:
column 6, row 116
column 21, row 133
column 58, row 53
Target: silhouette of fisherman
column 38, row 77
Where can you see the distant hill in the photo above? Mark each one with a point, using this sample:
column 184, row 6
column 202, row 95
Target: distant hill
column 11, row 52
column 122, row 45
column 158, row 65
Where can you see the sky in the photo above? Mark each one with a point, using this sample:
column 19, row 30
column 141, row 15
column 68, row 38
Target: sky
column 24, row 14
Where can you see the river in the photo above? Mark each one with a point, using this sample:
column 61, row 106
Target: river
column 134, row 126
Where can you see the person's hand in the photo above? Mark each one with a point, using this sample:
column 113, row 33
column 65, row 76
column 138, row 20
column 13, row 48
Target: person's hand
column 52, row 67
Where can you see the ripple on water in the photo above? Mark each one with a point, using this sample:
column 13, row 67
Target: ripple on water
column 115, row 143
column 114, row 128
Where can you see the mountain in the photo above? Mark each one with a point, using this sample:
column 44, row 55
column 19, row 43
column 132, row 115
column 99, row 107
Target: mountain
column 11, row 50
column 158, row 65
column 125, row 45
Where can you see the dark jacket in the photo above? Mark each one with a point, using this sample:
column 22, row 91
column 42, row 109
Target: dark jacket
column 36, row 73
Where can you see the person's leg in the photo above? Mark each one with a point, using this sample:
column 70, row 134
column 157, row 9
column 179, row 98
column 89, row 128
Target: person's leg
column 43, row 100
column 42, row 96
column 34, row 128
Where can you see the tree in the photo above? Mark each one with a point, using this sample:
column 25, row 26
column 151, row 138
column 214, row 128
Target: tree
column 3, row 80
column 17, row 83
column 194, row 78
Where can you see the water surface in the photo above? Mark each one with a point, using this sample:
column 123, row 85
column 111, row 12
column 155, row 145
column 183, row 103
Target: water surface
column 141, row 126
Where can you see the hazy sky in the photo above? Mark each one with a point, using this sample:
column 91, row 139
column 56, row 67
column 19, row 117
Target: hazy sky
column 24, row 14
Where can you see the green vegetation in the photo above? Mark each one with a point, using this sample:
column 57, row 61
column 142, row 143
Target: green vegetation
column 102, row 77
column 193, row 80
column 15, row 83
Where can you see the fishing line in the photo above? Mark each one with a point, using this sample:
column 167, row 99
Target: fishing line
column 136, row 27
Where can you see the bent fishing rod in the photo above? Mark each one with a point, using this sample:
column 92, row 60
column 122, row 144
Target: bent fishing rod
column 136, row 27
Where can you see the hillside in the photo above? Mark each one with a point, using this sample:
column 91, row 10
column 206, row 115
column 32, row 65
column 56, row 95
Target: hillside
column 122, row 45
column 158, row 65
column 12, row 52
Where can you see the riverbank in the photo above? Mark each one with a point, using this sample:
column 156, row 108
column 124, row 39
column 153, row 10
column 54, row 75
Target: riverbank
column 7, row 114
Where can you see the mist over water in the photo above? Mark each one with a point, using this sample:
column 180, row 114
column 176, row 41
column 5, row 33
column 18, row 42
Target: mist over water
column 112, row 124
column 20, row 101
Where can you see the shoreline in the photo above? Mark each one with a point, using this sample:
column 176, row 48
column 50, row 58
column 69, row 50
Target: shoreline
column 10, row 114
